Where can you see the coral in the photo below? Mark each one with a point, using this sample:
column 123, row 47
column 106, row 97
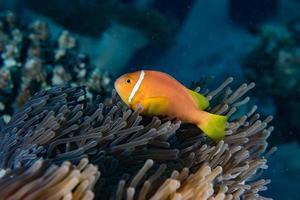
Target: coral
column 142, row 17
column 276, row 61
column 141, row 157
column 31, row 60
column 123, row 32
column 45, row 181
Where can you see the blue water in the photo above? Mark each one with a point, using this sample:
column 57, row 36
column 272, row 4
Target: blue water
column 209, row 39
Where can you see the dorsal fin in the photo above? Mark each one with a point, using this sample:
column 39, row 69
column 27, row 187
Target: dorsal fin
column 201, row 100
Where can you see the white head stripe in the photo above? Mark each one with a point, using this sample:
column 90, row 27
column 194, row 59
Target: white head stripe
column 136, row 86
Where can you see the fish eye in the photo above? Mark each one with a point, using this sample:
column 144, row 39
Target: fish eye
column 128, row 80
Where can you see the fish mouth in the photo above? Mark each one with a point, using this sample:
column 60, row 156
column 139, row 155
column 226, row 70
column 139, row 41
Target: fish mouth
column 116, row 85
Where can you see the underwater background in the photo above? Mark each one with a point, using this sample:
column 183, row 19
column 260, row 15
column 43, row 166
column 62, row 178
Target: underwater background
column 199, row 42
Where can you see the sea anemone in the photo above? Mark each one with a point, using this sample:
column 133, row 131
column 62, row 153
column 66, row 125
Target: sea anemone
column 45, row 181
column 141, row 157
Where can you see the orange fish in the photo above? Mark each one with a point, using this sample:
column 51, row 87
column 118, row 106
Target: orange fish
column 158, row 93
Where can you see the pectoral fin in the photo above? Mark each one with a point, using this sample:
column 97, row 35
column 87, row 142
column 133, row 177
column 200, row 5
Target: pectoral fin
column 154, row 106
column 201, row 100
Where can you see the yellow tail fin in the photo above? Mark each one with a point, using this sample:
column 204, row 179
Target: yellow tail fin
column 214, row 126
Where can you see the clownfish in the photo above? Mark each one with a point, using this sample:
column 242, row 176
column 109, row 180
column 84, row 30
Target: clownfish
column 159, row 94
